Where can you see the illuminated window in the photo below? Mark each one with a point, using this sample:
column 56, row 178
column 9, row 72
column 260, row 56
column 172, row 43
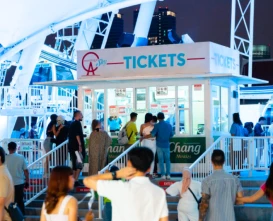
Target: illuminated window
column 170, row 13
column 118, row 15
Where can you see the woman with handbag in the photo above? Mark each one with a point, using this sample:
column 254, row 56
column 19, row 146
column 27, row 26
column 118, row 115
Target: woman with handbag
column 99, row 142
column 190, row 194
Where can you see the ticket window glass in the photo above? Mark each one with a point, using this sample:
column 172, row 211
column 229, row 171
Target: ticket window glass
column 141, row 106
column 198, row 110
column 183, row 110
column 162, row 99
column 87, row 110
column 99, row 105
column 120, row 105
column 220, row 108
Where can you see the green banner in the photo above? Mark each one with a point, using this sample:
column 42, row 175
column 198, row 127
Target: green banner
column 183, row 149
column 187, row 149
column 115, row 150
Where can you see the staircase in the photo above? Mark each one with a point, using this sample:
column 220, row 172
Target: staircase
column 258, row 211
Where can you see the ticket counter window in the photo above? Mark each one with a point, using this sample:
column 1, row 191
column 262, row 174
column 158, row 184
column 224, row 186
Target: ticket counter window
column 198, row 110
column 120, row 105
column 99, row 106
column 141, row 107
column 224, row 109
column 220, row 108
column 162, row 99
column 87, row 109
column 183, row 109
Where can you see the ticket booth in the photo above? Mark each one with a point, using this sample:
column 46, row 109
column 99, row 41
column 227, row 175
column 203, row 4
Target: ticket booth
column 195, row 85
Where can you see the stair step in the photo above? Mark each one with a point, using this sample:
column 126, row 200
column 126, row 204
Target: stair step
column 37, row 218
column 253, row 212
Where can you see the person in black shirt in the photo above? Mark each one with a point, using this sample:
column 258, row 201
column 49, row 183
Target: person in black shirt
column 49, row 141
column 76, row 143
column 61, row 133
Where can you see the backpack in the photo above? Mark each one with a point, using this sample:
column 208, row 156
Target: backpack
column 123, row 138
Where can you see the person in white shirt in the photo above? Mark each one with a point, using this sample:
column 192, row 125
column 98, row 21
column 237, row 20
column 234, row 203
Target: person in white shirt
column 136, row 200
column 188, row 190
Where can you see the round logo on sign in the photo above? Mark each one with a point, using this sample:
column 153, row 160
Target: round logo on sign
column 89, row 62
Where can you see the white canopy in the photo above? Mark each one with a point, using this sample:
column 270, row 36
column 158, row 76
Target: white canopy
column 19, row 19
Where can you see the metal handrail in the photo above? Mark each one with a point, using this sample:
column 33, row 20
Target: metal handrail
column 212, row 146
column 119, row 157
column 38, row 184
column 49, row 153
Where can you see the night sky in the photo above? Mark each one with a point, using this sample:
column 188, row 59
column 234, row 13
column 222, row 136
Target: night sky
column 209, row 20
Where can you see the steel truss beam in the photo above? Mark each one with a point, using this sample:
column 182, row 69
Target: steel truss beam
column 244, row 22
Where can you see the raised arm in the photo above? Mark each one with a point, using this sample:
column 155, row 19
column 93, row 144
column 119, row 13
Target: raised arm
column 91, row 182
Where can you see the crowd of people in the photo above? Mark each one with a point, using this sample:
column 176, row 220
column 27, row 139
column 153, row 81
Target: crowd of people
column 129, row 193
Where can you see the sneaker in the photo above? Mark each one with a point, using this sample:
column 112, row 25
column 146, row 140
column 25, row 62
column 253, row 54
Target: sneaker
column 168, row 177
column 163, row 177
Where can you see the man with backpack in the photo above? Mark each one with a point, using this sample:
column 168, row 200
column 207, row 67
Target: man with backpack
column 131, row 129
column 127, row 136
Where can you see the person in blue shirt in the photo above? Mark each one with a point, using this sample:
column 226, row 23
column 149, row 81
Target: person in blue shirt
column 114, row 123
column 163, row 132
column 238, row 156
column 259, row 132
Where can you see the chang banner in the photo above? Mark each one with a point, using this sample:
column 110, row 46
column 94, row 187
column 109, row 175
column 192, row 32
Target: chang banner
column 197, row 58
column 184, row 150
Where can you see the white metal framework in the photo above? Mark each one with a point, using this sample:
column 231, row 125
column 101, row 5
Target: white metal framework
column 242, row 29
column 76, row 24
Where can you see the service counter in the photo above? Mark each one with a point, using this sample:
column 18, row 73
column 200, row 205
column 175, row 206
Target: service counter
column 195, row 85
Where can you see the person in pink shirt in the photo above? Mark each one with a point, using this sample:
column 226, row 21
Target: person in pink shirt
column 265, row 189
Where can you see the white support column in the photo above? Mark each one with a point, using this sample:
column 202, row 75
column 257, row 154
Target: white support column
column 208, row 113
column 26, row 65
column 144, row 20
column 246, row 20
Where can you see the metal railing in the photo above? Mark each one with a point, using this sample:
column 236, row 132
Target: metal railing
column 31, row 149
column 120, row 162
column 21, row 98
column 202, row 167
column 243, row 154
column 39, row 170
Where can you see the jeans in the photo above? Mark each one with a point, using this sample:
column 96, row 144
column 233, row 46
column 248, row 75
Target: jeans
column 19, row 197
column 107, row 212
column 164, row 154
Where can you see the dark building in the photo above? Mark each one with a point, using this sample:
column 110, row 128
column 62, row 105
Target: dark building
column 163, row 20
column 114, row 35
column 261, row 68
column 261, row 52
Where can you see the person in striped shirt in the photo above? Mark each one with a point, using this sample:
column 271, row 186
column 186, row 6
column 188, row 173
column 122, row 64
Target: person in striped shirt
column 219, row 192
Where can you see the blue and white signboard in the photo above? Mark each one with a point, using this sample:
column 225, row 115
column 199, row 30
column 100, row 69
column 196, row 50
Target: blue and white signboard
column 197, row 58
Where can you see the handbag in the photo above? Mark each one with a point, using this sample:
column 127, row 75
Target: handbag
column 14, row 212
column 198, row 201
